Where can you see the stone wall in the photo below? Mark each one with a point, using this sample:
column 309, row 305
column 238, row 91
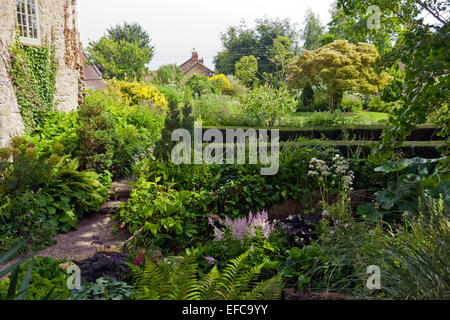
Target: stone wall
column 58, row 26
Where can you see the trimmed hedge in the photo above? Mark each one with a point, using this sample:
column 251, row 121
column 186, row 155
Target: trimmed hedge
column 362, row 132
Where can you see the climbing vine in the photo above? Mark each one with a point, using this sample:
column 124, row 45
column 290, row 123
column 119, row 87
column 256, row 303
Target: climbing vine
column 33, row 73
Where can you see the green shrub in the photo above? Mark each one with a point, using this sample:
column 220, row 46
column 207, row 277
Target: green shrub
column 216, row 110
column 199, row 85
column 58, row 128
column 160, row 210
column 237, row 88
column 377, row 105
column 416, row 260
column 42, row 194
column 104, row 288
column 45, row 276
column 321, row 102
column 335, row 119
column 113, row 135
column 169, row 74
column 268, row 105
column 351, row 104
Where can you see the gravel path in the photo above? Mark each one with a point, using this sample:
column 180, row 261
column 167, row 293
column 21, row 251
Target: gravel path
column 95, row 233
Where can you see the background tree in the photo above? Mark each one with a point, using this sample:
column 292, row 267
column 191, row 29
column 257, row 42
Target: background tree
column 337, row 67
column 281, row 56
column 354, row 27
column 122, row 53
column 313, row 31
column 267, row 105
column 246, row 69
column 311, row 34
column 423, row 48
column 244, row 41
column 130, row 32
column 169, row 74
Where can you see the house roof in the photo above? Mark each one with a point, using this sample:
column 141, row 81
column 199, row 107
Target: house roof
column 193, row 62
column 92, row 76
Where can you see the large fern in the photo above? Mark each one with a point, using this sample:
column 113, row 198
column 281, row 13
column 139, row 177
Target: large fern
column 178, row 280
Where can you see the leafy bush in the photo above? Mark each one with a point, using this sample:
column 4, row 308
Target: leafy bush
column 135, row 92
column 58, row 128
column 169, row 74
column 351, row 104
column 321, row 102
column 104, row 288
column 416, row 179
column 42, row 194
column 114, row 135
column 267, row 105
column 157, row 208
column 221, row 84
column 335, row 119
column 394, row 91
column 377, row 104
column 237, row 88
column 219, row 110
column 306, row 100
column 104, row 264
column 199, row 85
column 47, row 280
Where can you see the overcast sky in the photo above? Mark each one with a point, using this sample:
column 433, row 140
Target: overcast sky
column 178, row 26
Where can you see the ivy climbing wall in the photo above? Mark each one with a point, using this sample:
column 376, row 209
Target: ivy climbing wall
column 60, row 39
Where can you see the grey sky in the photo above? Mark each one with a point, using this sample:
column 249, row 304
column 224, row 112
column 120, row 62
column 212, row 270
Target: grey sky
column 177, row 26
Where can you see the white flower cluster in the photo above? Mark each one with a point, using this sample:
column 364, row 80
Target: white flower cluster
column 341, row 168
column 317, row 167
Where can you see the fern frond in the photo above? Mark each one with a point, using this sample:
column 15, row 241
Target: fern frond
column 207, row 285
column 266, row 290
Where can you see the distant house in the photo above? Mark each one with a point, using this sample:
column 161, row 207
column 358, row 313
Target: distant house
column 195, row 65
column 92, row 76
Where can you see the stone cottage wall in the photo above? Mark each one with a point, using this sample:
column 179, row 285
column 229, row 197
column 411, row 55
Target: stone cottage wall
column 58, row 26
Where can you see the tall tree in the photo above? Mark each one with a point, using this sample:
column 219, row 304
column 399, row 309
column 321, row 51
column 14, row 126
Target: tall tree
column 363, row 25
column 123, row 52
column 337, row 67
column 246, row 69
column 312, row 32
column 243, row 41
column 130, row 32
column 281, row 56
column 423, row 48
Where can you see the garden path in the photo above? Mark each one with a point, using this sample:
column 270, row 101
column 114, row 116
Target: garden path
column 95, row 232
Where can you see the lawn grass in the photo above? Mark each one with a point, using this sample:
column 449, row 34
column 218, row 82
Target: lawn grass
column 360, row 117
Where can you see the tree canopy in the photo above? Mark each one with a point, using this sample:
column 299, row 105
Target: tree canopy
column 123, row 52
column 246, row 69
column 240, row 41
column 423, row 48
column 337, row 67
column 312, row 32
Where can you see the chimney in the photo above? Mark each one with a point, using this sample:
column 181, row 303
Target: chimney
column 201, row 61
column 194, row 55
